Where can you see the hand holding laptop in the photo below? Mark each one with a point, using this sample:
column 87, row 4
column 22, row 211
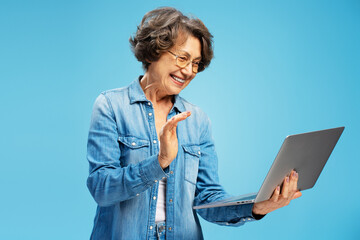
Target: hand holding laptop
column 281, row 197
column 300, row 154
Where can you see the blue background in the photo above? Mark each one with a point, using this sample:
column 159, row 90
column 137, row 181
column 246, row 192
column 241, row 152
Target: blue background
column 280, row 68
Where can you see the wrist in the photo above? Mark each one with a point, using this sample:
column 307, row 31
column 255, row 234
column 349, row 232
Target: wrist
column 259, row 211
column 163, row 163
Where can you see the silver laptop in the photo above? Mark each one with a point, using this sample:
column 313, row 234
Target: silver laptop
column 306, row 153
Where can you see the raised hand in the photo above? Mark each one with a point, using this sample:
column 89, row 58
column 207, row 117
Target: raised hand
column 168, row 139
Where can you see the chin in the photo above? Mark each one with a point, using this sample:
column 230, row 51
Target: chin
column 173, row 90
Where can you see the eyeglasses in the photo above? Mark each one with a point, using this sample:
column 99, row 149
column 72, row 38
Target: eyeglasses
column 182, row 61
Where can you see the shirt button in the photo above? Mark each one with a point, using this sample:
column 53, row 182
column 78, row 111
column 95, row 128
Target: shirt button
column 155, row 181
column 249, row 219
column 170, row 228
column 137, row 194
column 150, row 114
column 154, row 197
column 243, row 219
column 149, row 103
column 133, row 143
column 171, row 172
column 151, row 227
column 199, row 152
column 154, row 141
column 170, row 200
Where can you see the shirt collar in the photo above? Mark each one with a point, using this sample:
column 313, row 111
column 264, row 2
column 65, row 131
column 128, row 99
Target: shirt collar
column 136, row 94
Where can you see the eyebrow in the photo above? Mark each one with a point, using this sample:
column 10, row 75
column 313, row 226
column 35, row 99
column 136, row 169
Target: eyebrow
column 188, row 55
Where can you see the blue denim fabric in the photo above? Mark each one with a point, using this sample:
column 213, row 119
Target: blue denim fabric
column 124, row 174
column 159, row 231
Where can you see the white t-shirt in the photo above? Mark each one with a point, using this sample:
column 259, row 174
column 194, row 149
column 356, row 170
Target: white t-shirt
column 160, row 214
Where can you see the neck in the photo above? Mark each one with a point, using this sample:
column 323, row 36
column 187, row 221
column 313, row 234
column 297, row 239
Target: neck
column 154, row 91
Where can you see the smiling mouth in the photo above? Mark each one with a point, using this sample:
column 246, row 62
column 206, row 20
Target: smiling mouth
column 179, row 81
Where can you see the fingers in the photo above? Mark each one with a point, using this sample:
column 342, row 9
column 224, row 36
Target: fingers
column 180, row 117
column 276, row 194
column 285, row 187
column 172, row 122
column 290, row 185
column 293, row 183
column 168, row 139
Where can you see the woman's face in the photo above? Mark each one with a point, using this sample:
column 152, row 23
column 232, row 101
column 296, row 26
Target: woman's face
column 167, row 75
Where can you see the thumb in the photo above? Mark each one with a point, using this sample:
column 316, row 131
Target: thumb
column 297, row 195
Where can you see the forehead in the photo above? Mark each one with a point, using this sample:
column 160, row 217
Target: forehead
column 188, row 45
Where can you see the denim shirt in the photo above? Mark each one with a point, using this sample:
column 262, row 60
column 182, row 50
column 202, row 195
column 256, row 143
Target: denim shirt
column 124, row 176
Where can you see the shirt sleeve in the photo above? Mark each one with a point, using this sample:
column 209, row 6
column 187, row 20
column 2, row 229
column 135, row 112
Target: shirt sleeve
column 208, row 188
column 108, row 181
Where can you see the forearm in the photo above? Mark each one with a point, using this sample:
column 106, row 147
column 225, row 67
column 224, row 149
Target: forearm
column 109, row 185
column 236, row 215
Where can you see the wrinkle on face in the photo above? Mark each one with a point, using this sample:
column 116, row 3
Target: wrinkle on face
column 158, row 83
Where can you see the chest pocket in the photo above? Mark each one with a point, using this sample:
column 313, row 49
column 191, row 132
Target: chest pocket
column 192, row 157
column 133, row 150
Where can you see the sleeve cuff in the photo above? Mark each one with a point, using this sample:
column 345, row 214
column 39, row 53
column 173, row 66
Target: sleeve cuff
column 257, row 216
column 151, row 170
column 245, row 215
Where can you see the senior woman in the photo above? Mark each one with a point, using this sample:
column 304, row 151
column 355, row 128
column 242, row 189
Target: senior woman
column 151, row 152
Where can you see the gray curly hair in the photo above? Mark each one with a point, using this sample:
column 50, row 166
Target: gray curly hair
column 159, row 30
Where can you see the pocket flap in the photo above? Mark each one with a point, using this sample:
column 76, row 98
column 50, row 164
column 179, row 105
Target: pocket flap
column 192, row 149
column 133, row 142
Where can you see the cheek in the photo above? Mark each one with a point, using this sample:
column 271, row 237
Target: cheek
column 192, row 78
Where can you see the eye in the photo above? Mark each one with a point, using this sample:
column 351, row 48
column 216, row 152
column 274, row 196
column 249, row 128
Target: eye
column 197, row 63
column 182, row 59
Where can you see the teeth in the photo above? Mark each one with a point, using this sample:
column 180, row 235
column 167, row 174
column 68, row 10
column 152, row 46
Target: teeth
column 178, row 79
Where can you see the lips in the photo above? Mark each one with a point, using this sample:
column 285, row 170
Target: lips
column 178, row 80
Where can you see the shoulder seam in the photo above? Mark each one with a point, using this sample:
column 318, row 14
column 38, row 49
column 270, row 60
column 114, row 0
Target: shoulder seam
column 110, row 105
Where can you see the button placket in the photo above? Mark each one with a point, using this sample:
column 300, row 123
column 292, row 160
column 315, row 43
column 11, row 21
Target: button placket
column 149, row 112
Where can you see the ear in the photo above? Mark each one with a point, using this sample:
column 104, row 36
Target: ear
column 148, row 61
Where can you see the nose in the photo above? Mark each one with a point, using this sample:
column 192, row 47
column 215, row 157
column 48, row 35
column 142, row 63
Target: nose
column 187, row 69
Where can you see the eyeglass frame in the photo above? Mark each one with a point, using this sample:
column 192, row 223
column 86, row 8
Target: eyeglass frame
column 199, row 65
